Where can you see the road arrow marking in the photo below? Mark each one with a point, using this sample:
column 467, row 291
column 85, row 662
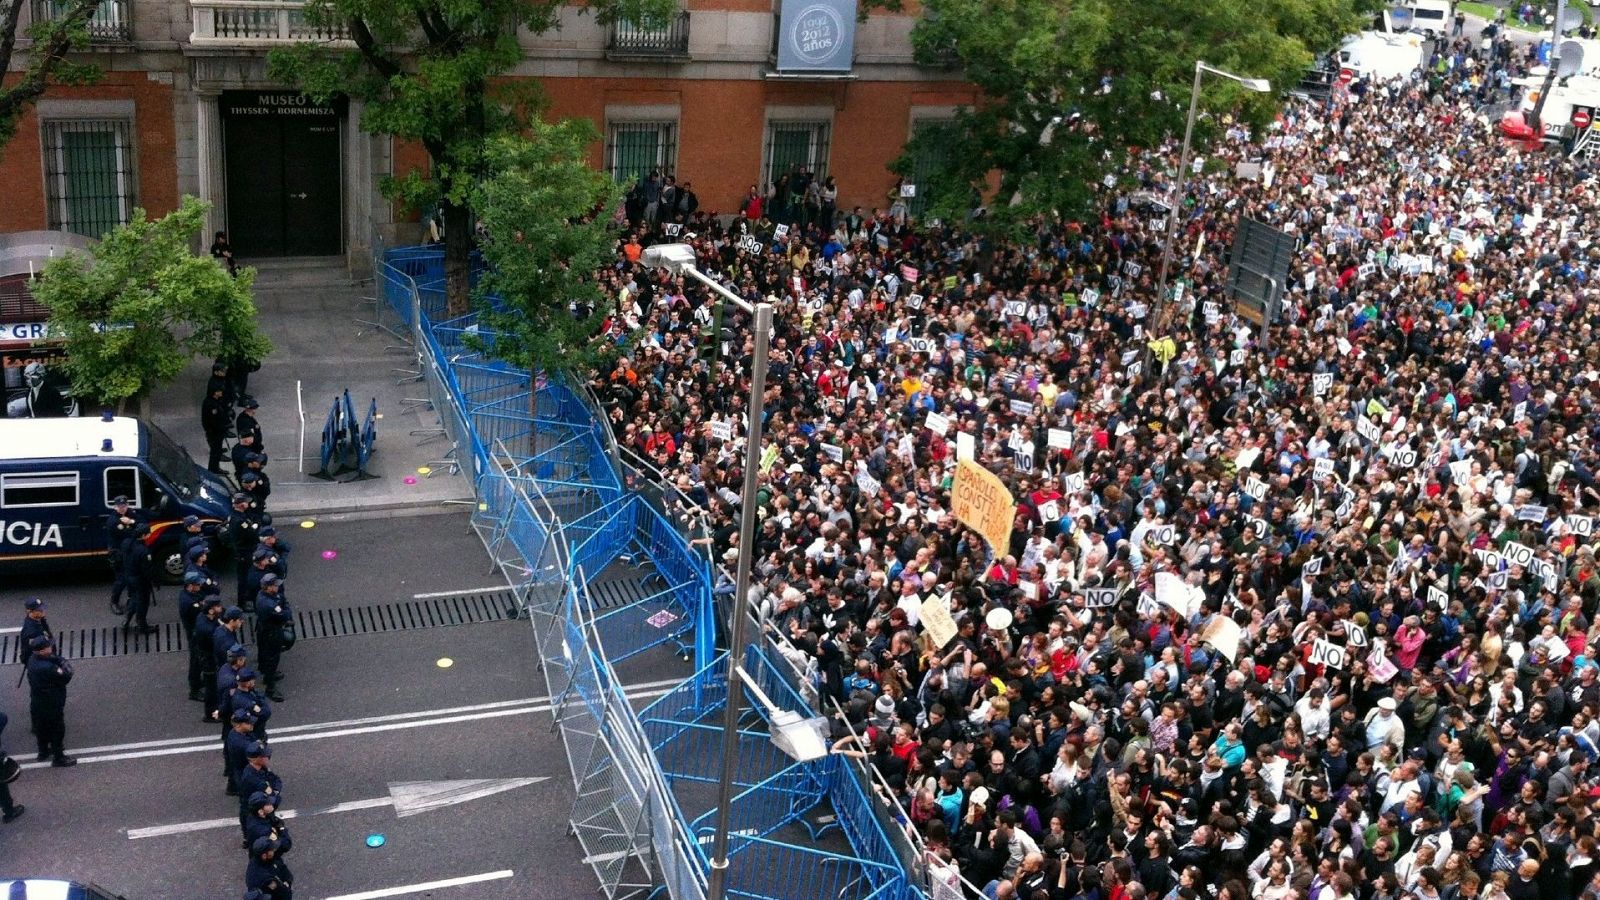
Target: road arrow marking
column 407, row 797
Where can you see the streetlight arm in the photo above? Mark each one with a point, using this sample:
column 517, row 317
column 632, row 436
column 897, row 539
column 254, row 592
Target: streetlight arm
column 695, row 273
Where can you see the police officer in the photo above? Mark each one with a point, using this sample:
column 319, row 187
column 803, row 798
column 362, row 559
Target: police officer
column 219, row 380
column 34, row 625
column 10, row 810
column 191, row 606
column 214, row 411
column 48, row 675
column 246, row 423
column 273, row 615
column 199, row 563
column 266, row 874
column 256, row 465
column 228, row 632
column 244, row 526
column 257, row 778
column 261, row 565
column 245, row 446
column 245, row 696
column 194, row 535
column 257, row 488
column 224, row 680
column 240, row 737
column 280, row 548
column 203, row 655
column 264, row 821
column 138, row 572
column 120, row 523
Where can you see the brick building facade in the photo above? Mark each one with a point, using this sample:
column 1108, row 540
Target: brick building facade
column 186, row 108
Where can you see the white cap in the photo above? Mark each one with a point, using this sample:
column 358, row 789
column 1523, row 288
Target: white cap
column 1387, row 703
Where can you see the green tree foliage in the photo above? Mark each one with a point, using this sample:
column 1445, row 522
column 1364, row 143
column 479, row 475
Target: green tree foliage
column 427, row 71
column 1069, row 86
column 547, row 231
column 140, row 305
column 52, row 40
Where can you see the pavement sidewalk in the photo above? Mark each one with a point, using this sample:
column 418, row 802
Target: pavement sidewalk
column 310, row 309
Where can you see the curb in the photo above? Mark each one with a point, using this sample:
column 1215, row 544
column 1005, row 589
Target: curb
column 397, row 510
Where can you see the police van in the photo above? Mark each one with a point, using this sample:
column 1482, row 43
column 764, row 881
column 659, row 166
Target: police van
column 59, row 476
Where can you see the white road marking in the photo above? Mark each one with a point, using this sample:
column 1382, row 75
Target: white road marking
column 482, row 590
column 407, row 797
column 424, row 886
column 213, row 739
column 278, row 737
column 17, row 630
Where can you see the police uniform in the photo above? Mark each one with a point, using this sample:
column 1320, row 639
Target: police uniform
column 280, row 549
column 258, row 826
column 223, row 639
column 239, row 456
column 194, row 535
column 244, row 525
column 139, row 575
column 234, row 747
column 214, row 412
column 118, row 532
column 10, row 810
column 251, row 701
column 219, row 380
column 202, row 656
column 256, row 483
column 260, row 568
column 257, row 781
column 191, row 605
column 246, row 423
column 273, row 613
column 267, row 875
column 223, row 681
column 33, row 629
column 48, row 676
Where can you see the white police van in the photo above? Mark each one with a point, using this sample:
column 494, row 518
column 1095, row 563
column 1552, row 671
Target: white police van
column 59, row 476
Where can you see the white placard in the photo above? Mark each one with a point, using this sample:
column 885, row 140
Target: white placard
column 1131, row 268
column 1312, row 567
column 1021, row 408
column 1322, row 468
column 1531, row 513
column 869, row 486
column 1498, row 581
column 1460, row 471
column 1072, row 482
column 1163, row 535
column 1018, row 308
column 1023, row 459
column 1324, row 653
column 1255, row 487
column 1582, row 526
column 1519, row 412
column 1059, row 439
column 1519, row 554
column 751, row 244
column 1403, row 458
column 1050, row 511
column 922, row 345
column 1089, row 296
column 1135, row 370
column 722, row 431
column 833, row 452
column 914, row 301
column 1320, row 382
column 937, row 423
column 1438, row 597
column 1354, row 635
column 966, row 446
column 1259, row 525
column 671, row 229
column 1100, row 598
column 1366, row 429
column 1237, row 357
column 781, row 232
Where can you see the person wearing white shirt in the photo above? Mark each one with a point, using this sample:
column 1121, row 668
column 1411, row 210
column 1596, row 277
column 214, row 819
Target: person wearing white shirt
column 1315, row 713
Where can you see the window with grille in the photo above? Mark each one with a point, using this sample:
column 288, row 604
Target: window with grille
column 88, row 175
column 633, row 149
column 926, row 158
column 791, row 145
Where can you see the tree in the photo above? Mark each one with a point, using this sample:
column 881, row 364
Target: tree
column 1070, row 86
column 47, row 57
column 140, row 305
column 428, row 71
column 547, row 232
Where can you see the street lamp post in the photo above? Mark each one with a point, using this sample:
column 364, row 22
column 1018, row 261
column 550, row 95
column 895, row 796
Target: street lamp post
column 680, row 258
column 1259, row 85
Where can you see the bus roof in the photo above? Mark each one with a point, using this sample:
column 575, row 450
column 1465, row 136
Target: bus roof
column 63, row 438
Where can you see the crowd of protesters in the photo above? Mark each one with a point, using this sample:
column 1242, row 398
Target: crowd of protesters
column 1307, row 614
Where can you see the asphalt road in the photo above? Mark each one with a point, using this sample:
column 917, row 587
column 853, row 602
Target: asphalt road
column 371, row 722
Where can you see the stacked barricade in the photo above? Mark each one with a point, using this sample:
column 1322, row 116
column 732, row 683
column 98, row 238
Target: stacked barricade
column 553, row 510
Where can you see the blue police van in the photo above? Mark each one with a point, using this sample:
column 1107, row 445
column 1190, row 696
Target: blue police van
column 59, row 476
column 52, row 889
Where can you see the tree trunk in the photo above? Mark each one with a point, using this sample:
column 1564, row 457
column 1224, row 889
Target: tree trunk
column 457, row 258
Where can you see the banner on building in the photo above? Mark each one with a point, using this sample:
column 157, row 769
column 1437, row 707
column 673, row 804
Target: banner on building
column 817, row 36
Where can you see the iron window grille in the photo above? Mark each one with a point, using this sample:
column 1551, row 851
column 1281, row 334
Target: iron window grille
column 112, row 19
column 88, row 175
column 794, row 144
column 635, row 149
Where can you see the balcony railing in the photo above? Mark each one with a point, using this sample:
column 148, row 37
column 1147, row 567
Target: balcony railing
column 112, row 20
column 630, row 40
column 243, row 23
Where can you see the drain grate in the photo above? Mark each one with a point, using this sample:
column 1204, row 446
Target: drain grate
column 407, row 615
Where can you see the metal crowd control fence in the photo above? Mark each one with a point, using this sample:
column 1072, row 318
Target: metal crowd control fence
column 552, row 510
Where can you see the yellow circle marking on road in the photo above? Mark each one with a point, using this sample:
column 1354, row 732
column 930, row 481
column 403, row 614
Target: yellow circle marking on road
column 423, row 470
column 308, row 524
column 445, row 662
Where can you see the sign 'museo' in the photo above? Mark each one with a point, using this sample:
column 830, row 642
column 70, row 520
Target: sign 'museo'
column 817, row 36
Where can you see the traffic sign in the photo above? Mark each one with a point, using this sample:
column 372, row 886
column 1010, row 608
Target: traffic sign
column 1580, row 119
column 1347, row 75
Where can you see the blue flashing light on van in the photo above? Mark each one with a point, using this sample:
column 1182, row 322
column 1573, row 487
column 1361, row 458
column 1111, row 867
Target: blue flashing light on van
column 59, row 476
